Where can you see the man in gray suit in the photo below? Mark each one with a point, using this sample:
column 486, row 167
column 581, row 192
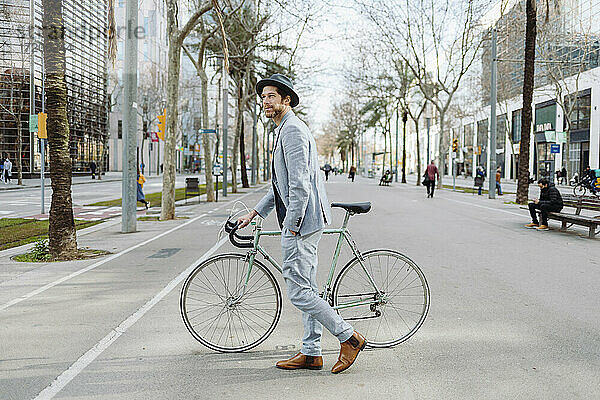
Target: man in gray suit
column 298, row 196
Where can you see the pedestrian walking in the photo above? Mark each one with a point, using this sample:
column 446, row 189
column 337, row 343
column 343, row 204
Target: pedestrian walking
column 431, row 172
column 7, row 170
column 93, row 169
column 498, row 178
column 140, row 189
column 327, row 169
column 298, row 196
column 479, row 178
column 550, row 200
column 563, row 175
column 352, row 173
column 2, row 169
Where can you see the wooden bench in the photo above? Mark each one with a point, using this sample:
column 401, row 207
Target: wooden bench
column 385, row 182
column 579, row 203
column 191, row 188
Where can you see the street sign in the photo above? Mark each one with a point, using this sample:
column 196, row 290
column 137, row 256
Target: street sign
column 217, row 170
column 208, row 131
column 154, row 136
column 554, row 148
column 33, row 123
column 561, row 137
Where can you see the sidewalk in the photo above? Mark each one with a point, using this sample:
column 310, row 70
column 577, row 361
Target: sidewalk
column 76, row 180
column 508, row 186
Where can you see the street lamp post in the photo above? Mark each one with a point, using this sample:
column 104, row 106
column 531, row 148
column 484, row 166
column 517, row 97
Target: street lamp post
column 128, row 215
column 493, row 96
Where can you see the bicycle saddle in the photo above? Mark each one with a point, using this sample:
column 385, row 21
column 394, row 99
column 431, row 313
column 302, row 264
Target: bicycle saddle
column 356, row 208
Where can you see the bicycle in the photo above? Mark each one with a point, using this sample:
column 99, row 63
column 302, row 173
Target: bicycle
column 232, row 302
column 583, row 186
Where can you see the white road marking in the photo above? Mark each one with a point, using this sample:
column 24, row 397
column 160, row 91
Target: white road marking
column 95, row 265
column 75, row 369
column 104, row 261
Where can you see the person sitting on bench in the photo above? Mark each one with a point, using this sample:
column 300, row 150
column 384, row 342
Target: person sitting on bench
column 550, row 200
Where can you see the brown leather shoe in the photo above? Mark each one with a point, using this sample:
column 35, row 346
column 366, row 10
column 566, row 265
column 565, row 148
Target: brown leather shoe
column 301, row 361
column 349, row 351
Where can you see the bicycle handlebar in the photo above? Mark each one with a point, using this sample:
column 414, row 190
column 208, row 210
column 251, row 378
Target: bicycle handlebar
column 231, row 228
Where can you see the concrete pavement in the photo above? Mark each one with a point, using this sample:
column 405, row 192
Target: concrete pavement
column 513, row 311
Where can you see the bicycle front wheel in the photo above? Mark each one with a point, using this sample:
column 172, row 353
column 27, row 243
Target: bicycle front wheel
column 400, row 308
column 224, row 314
column 579, row 190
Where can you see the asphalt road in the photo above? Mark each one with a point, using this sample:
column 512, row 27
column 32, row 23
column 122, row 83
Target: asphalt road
column 514, row 312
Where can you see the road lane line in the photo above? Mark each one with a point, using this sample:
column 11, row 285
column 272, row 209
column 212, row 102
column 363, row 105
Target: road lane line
column 75, row 369
column 110, row 258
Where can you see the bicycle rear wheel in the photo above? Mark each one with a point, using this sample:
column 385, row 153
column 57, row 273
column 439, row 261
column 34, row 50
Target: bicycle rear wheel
column 579, row 190
column 395, row 316
column 220, row 313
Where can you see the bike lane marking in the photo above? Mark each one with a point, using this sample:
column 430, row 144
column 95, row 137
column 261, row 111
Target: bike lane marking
column 110, row 258
column 89, row 356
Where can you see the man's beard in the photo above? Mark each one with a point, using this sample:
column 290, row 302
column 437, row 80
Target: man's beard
column 276, row 111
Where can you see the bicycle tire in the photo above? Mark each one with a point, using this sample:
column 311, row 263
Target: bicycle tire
column 227, row 326
column 579, row 190
column 399, row 313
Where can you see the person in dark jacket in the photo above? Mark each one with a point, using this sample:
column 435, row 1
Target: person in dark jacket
column 550, row 200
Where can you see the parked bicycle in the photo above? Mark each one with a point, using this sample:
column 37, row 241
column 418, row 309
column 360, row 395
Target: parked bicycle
column 232, row 302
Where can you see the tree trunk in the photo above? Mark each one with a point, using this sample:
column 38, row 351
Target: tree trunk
column 243, row 172
column 441, row 153
column 404, row 148
column 61, row 230
column 384, row 152
column 530, row 34
column 241, row 125
column 168, row 186
column 208, row 164
column 418, row 155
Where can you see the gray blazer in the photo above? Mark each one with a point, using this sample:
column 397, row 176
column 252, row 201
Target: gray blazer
column 297, row 179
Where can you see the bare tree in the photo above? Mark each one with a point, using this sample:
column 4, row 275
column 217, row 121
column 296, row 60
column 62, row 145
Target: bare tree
column 438, row 40
column 176, row 36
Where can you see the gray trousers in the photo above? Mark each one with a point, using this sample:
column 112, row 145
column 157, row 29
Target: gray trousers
column 300, row 261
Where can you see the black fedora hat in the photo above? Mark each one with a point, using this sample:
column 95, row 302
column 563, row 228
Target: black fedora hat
column 282, row 82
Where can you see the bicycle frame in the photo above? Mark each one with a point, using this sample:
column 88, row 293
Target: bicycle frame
column 343, row 233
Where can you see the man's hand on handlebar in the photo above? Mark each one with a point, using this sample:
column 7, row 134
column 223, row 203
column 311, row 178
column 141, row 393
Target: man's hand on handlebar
column 244, row 220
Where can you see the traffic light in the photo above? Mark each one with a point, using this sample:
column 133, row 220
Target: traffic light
column 162, row 124
column 455, row 145
column 42, row 134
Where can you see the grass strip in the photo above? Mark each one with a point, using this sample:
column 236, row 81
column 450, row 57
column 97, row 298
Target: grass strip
column 465, row 189
column 19, row 231
column 154, row 198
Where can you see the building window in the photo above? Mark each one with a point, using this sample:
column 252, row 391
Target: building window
column 545, row 116
column 468, row 135
column 501, row 130
column 580, row 112
column 516, row 126
column 119, row 129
